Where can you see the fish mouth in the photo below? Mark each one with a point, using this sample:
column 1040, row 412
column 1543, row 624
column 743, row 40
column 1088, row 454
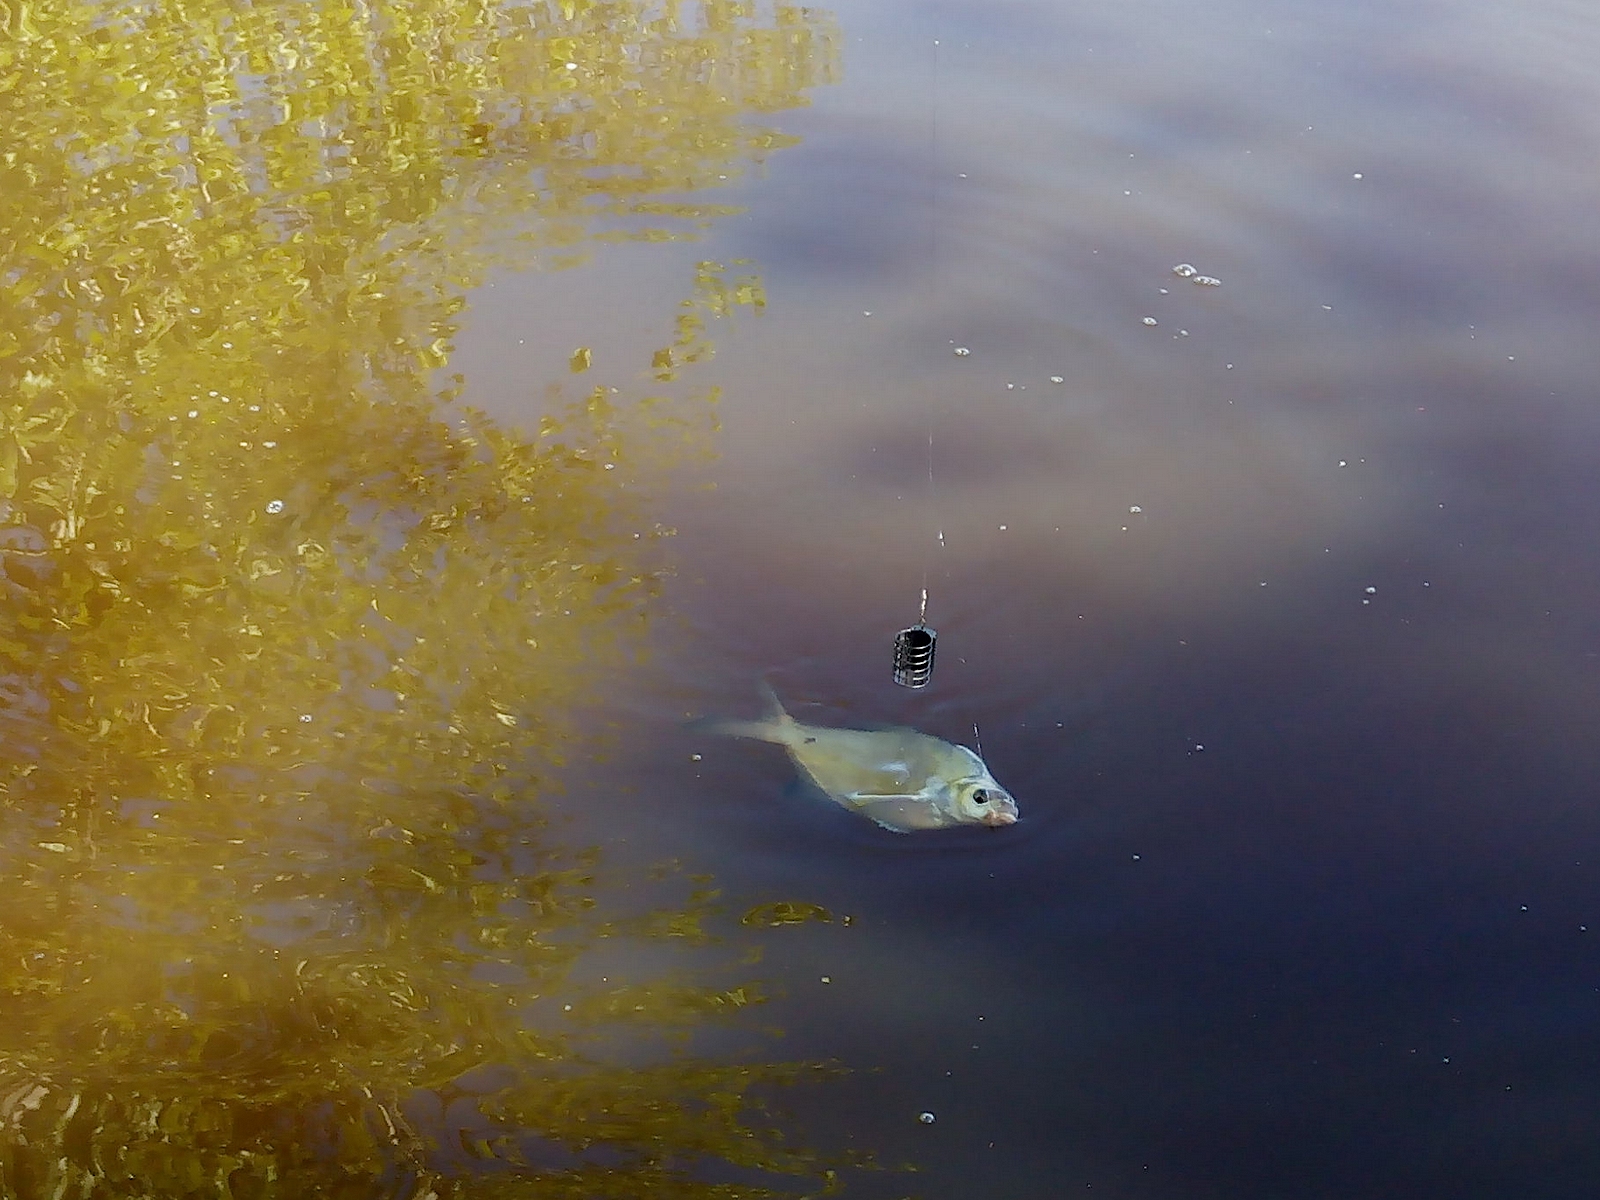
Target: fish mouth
column 999, row 819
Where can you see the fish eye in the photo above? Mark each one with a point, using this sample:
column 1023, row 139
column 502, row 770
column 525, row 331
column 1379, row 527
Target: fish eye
column 980, row 796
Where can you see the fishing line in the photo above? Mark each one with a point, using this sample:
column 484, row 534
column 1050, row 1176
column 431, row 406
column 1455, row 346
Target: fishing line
column 914, row 647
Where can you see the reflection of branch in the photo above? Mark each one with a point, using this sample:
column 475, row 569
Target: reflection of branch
column 289, row 652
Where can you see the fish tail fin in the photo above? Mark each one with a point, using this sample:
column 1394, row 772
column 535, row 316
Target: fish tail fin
column 762, row 731
column 775, row 710
column 774, row 727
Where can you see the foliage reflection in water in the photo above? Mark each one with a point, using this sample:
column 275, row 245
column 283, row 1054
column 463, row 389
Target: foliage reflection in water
column 286, row 647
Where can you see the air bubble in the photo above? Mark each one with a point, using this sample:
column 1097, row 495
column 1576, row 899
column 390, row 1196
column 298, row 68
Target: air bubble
column 1184, row 271
column 274, row 506
column 1207, row 281
column 962, row 352
column 1151, row 321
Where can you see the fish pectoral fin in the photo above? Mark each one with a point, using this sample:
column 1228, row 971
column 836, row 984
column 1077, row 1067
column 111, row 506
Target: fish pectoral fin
column 902, row 814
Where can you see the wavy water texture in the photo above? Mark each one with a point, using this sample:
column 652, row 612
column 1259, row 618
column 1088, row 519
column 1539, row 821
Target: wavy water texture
column 291, row 643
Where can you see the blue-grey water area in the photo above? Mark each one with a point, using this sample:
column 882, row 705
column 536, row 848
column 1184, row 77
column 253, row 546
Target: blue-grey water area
column 1274, row 602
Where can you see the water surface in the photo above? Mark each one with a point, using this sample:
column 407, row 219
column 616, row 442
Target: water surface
column 356, row 834
column 1276, row 614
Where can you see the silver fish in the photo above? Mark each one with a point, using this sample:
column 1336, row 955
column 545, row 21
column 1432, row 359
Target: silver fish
column 902, row 779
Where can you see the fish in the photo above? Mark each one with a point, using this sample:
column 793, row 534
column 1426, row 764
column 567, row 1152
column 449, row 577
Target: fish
column 902, row 779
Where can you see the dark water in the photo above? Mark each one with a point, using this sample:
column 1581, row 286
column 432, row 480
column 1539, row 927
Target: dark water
column 1278, row 616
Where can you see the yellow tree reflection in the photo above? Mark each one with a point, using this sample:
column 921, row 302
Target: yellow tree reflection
column 286, row 646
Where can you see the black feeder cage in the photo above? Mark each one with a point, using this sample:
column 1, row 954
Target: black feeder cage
column 913, row 656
